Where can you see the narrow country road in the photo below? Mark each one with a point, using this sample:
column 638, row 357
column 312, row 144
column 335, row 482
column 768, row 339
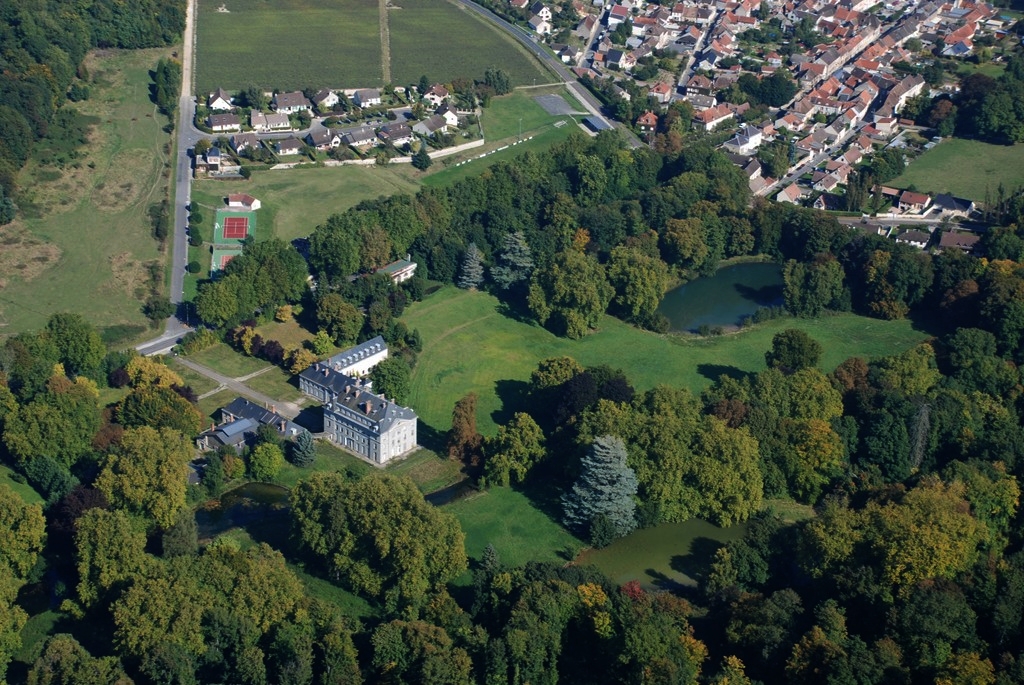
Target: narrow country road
column 287, row 409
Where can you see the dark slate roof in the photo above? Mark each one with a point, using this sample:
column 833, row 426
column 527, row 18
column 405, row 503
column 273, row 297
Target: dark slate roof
column 359, row 352
column 596, row 124
column 352, row 394
column 245, row 410
column 952, row 204
column 294, row 99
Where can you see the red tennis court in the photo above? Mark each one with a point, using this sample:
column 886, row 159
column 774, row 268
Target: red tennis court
column 224, row 259
column 236, row 227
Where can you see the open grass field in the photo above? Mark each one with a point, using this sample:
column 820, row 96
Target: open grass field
column 277, row 383
column 428, row 470
column 200, row 383
column 328, row 459
column 444, row 41
column 23, row 490
column 664, row 557
column 506, row 518
column 295, row 201
column 965, row 168
column 288, row 44
column 223, row 359
column 470, row 346
column 84, row 243
column 209, row 406
column 502, row 117
column 541, row 141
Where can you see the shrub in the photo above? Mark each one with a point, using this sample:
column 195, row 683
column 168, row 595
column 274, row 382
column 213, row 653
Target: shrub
column 197, row 340
column 194, row 267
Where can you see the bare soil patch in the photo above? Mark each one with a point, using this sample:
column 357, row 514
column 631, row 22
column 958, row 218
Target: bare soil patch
column 22, row 255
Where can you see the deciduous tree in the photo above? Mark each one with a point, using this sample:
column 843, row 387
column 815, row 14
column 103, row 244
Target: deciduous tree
column 265, row 462
column 517, row 447
column 391, row 378
column 792, row 350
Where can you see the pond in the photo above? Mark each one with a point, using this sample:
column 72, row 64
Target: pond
column 260, row 508
column 665, row 557
column 725, row 299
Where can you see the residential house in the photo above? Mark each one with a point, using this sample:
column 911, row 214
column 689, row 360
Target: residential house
column 244, row 141
column 519, row 4
column 220, row 123
column 325, row 100
column 540, row 10
column 708, row 119
column 436, row 95
column 953, row 206
column 827, row 183
column 918, row 239
column 239, row 422
column 400, row 270
column 275, row 121
column 208, row 163
column 647, row 122
column 360, row 137
column 913, row 202
column 616, row 15
column 790, row 194
column 701, row 102
column 746, row 141
column 451, row 118
column 699, row 85
column 585, row 28
column 396, row 134
column 431, row 125
column 244, row 202
column 219, row 101
column 662, row 92
column 289, row 146
column 355, row 418
column 323, row 139
column 569, row 54
column 290, row 103
column 540, row 25
column 967, row 242
column 367, row 97
column 829, row 202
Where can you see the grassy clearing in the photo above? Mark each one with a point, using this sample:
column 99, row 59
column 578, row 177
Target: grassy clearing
column 84, row 241
column 225, row 360
column 298, row 200
column 519, row 532
column 200, row 383
column 23, row 490
column 664, row 557
column 445, row 41
column 209, row 406
column 965, row 168
column 428, row 470
column 329, row 459
column 288, row 44
column 790, row 511
column 276, row 383
column 541, row 141
column 501, row 119
column 34, row 634
column 470, row 346
column 288, row 333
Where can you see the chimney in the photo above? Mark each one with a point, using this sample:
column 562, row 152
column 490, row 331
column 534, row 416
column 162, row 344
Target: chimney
column 284, row 425
column 326, row 372
column 366, row 407
column 273, row 408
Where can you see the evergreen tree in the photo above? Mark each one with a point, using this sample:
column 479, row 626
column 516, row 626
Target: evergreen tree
column 472, row 268
column 302, row 451
column 515, row 262
column 421, row 160
column 604, row 492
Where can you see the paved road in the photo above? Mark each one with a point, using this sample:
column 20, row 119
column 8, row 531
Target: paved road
column 287, row 409
column 586, row 98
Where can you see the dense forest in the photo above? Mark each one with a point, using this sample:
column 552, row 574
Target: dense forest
column 44, row 43
column 910, row 571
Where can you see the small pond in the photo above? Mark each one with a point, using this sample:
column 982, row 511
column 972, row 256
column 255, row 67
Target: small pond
column 664, row 557
column 725, row 299
column 260, row 508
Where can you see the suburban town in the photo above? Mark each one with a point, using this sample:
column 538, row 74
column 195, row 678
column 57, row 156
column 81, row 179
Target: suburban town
column 511, row 342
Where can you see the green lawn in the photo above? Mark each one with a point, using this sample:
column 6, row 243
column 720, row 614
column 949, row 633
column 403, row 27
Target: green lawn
column 295, row 201
column 501, row 118
column 225, row 360
column 200, row 383
column 519, row 532
column 23, row 490
column 83, row 242
column 444, row 41
column 288, row 44
column 277, row 384
column 470, row 346
column 965, row 168
column 428, row 470
column 209, row 406
column 542, row 140
column 328, row 458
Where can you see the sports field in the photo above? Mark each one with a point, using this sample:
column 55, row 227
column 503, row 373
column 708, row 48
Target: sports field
column 470, row 346
column 233, row 226
column 84, row 240
column 221, row 257
column 444, row 41
column 965, row 168
column 287, row 44
column 295, row 44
